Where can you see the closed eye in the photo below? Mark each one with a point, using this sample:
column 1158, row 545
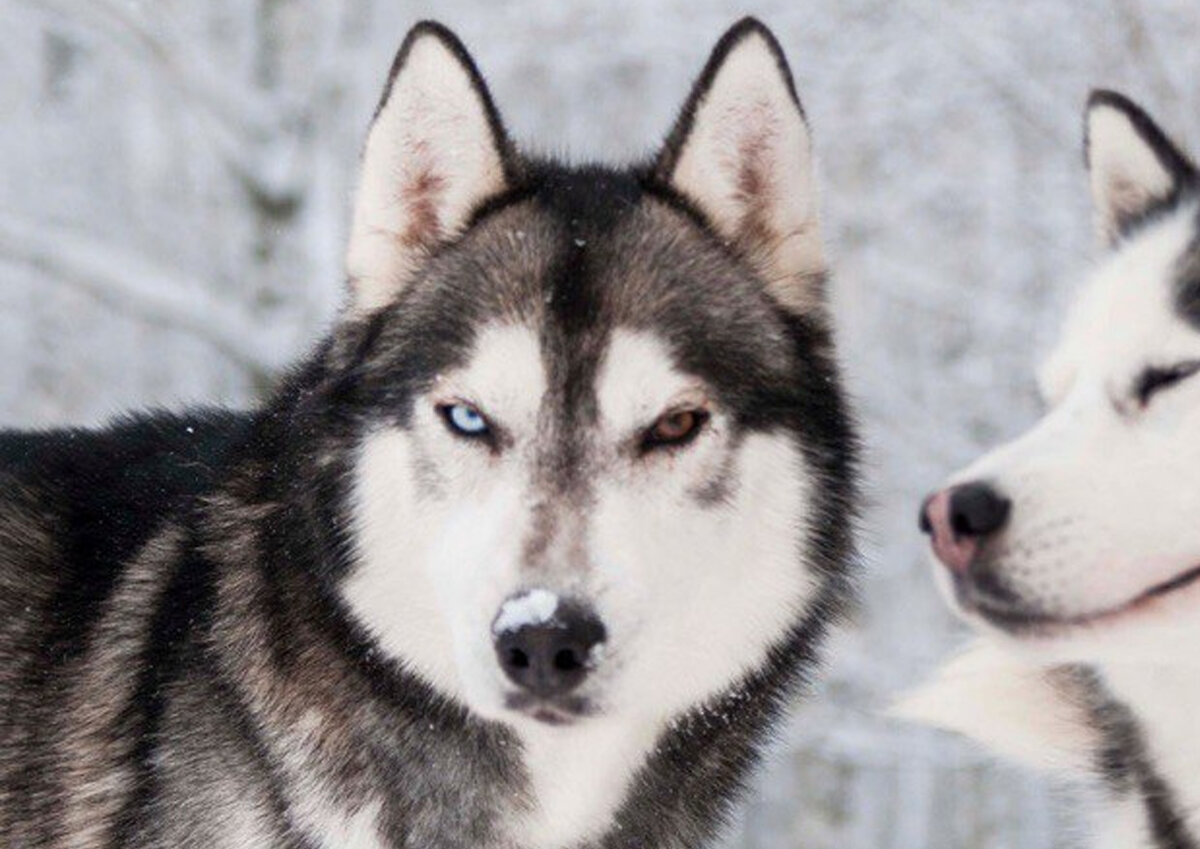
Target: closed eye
column 1157, row 378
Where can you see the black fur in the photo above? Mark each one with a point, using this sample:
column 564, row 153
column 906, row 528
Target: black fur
column 1185, row 181
column 170, row 585
column 1187, row 283
column 1127, row 768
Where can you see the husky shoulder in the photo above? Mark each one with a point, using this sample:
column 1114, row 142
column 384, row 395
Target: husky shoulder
column 1044, row 718
column 75, row 503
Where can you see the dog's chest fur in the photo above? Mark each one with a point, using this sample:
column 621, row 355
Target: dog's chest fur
column 577, row 780
column 1165, row 702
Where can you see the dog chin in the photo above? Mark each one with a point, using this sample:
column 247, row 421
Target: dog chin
column 1164, row 610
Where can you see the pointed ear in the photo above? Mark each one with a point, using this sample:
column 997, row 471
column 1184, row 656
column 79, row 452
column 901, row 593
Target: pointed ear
column 1133, row 166
column 435, row 151
column 740, row 151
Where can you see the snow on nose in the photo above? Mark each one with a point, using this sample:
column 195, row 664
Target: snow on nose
column 544, row 645
column 529, row 609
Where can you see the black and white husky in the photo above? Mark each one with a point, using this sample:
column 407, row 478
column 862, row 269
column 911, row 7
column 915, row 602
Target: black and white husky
column 531, row 551
column 1075, row 549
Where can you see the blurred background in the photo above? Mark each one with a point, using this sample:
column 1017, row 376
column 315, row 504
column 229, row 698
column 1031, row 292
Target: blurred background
column 175, row 180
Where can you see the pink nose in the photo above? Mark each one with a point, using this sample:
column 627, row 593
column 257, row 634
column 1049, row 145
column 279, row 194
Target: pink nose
column 955, row 550
column 960, row 518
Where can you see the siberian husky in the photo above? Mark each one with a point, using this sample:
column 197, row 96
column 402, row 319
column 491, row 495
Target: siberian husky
column 1075, row 549
column 531, row 551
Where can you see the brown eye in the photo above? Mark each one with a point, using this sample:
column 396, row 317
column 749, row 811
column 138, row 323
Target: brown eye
column 675, row 428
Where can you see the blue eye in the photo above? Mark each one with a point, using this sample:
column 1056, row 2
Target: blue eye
column 464, row 419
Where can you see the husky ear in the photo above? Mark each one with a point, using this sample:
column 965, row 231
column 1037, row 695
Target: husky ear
column 1133, row 166
column 435, row 151
column 1035, row 716
column 740, row 151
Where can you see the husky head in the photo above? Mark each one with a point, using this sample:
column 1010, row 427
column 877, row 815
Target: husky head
column 1079, row 540
column 599, row 460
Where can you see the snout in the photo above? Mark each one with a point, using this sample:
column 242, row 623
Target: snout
column 960, row 519
column 545, row 645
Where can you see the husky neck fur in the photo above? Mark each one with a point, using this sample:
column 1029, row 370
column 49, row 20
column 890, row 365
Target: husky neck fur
column 551, row 387
column 1088, row 596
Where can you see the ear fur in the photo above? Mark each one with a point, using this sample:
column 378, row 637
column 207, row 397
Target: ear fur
column 740, row 151
column 1133, row 167
column 436, row 150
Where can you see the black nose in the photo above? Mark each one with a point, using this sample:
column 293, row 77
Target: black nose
column 977, row 510
column 553, row 656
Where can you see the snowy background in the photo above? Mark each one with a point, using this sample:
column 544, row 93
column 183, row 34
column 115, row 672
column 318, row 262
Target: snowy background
column 174, row 185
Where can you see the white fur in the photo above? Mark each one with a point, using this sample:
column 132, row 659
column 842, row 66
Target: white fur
column 1102, row 489
column 728, row 579
column 435, row 570
column 344, row 824
column 1125, row 826
column 639, row 381
column 243, row 824
column 429, row 160
column 1165, row 697
column 1020, row 709
column 692, row 594
column 1104, row 508
column 333, row 829
column 1105, row 505
column 580, row 775
column 749, row 125
column 1124, row 172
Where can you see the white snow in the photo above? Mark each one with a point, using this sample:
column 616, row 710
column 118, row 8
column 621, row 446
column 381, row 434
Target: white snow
column 530, row 608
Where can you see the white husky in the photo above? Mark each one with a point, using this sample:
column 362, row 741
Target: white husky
column 1075, row 549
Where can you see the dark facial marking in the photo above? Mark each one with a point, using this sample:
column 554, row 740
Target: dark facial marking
column 1187, row 275
column 720, row 488
column 429, row 480
column 543, row 524
column 1156, row 379
column 587, row 206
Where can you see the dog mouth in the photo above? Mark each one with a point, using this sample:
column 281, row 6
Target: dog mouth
column 561, row 710
column 1007, row 612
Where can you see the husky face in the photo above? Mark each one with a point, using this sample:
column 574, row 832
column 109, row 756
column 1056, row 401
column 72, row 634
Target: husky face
column 1080, row 537
column 591, row 412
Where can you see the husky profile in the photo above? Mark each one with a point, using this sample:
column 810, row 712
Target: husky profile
column 532, row 551
column 1075, row 549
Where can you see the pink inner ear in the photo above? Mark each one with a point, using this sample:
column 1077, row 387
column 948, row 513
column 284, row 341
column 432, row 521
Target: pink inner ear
column 754, row 181
column 1126, row 196
column 421, row 195
column 751, row 179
